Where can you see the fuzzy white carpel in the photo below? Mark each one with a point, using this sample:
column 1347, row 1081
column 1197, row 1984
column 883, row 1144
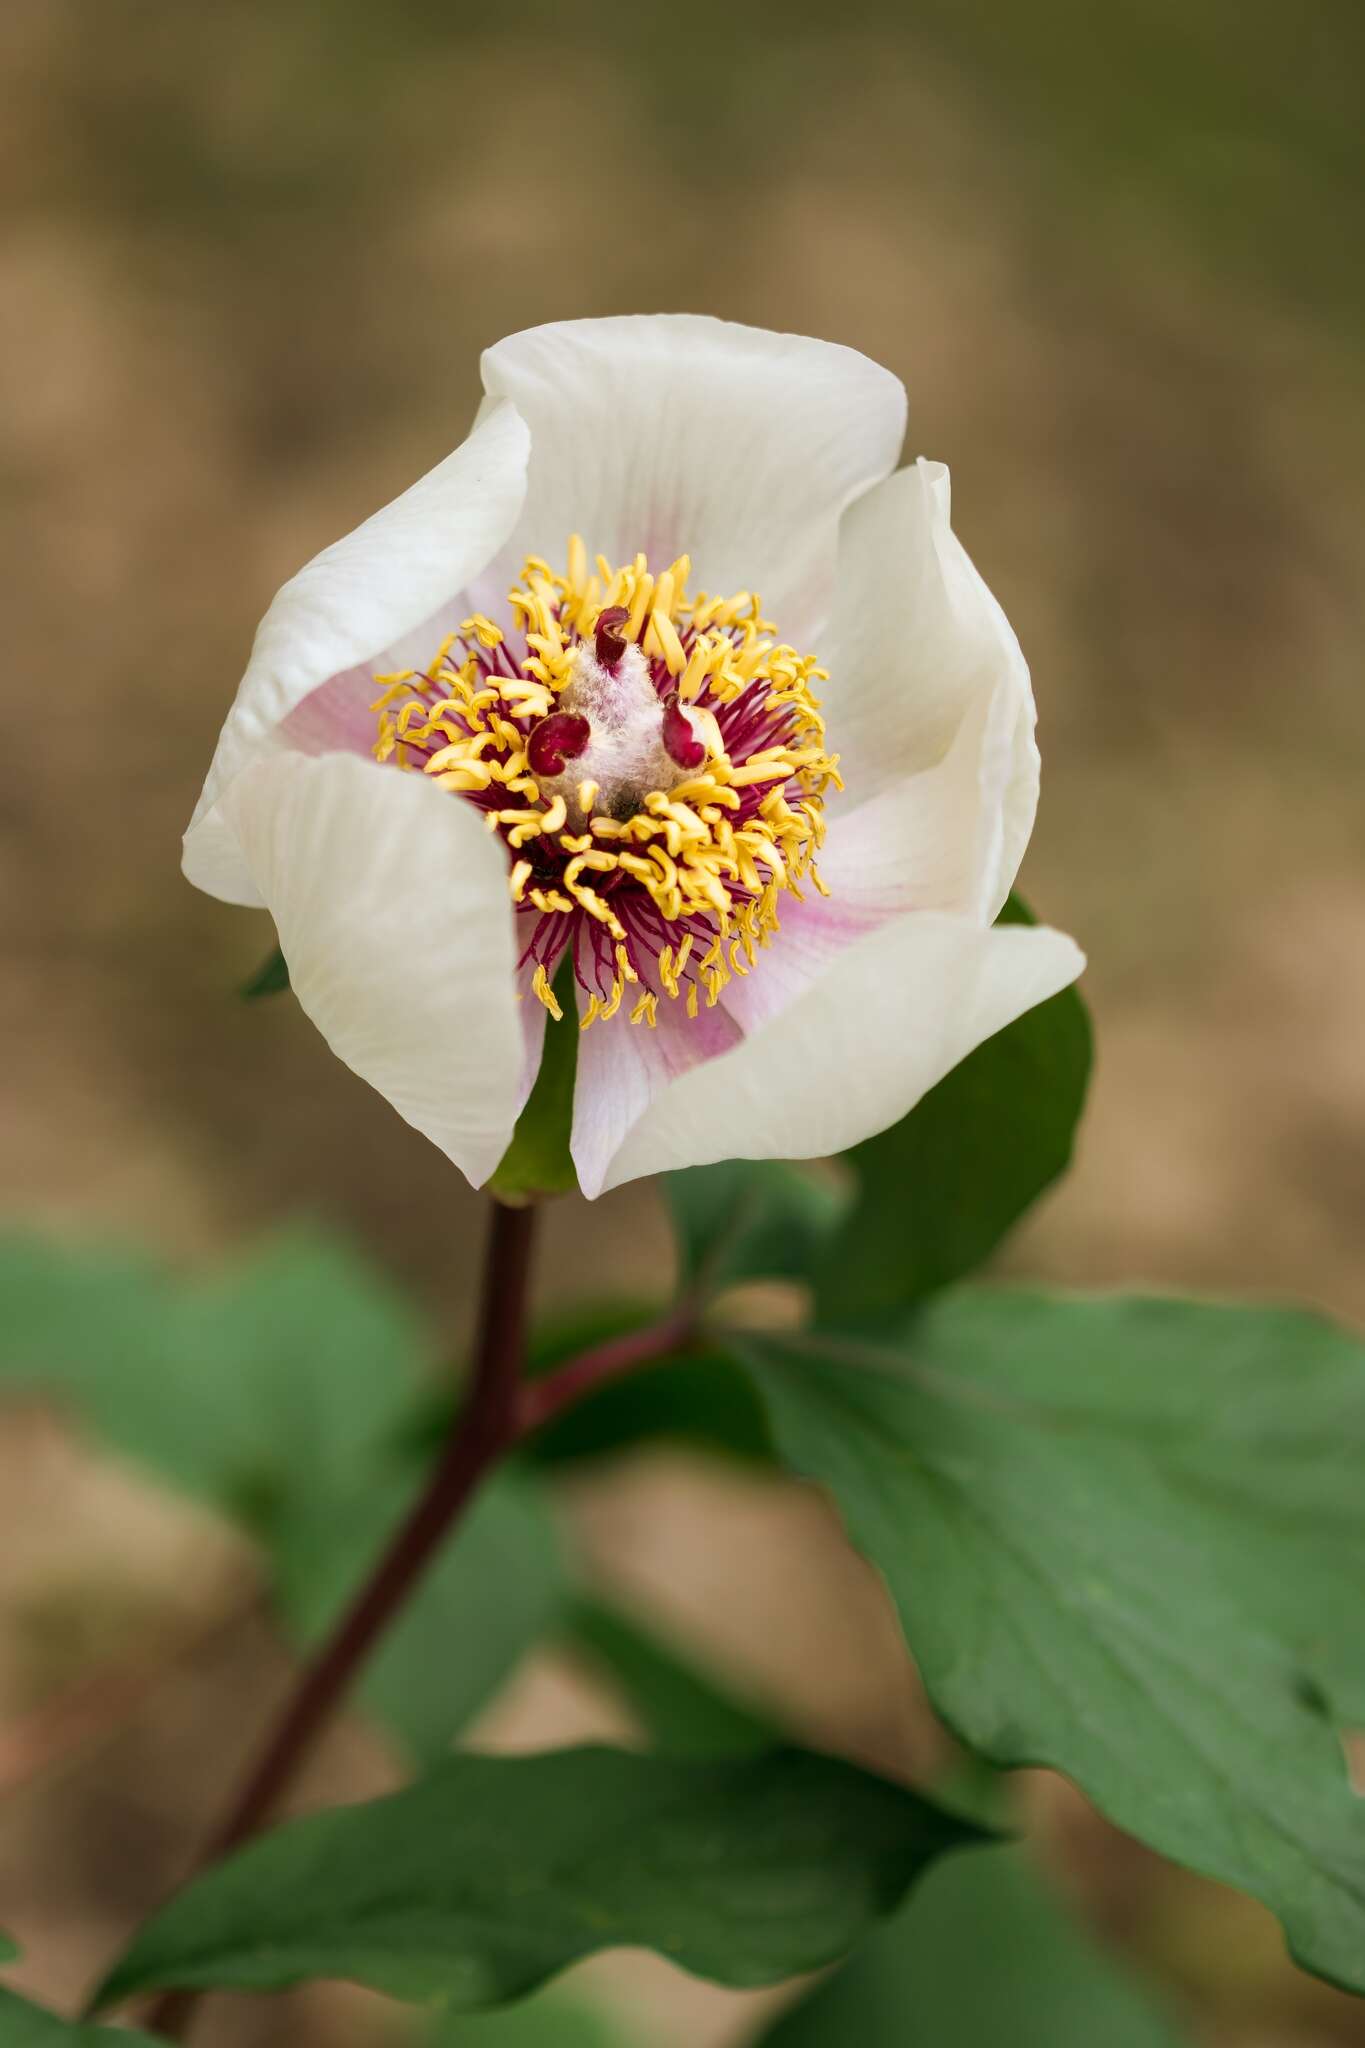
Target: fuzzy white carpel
column 625, row 756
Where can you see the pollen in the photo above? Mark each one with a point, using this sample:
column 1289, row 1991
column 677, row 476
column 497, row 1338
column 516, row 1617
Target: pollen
column 653, row 761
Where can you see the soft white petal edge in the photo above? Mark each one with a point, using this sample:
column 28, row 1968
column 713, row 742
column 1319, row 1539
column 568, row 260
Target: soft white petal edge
column 916, row 640
column 678, row 432
column 941, row 839
column 392, row 911
column 891, row 1016
column 352, row 602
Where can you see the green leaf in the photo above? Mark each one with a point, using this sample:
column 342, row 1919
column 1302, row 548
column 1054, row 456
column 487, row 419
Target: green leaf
column 681, row 1710
column 493, row 1591
column 9, row 1948
column 270, row 979
column 538, row 1161
column 494, row 1873
column 940, row 1189
column 551, row 2019
column 23, row 2025
column 1125, row 1540
column 980, row 1956
column 749, row 1219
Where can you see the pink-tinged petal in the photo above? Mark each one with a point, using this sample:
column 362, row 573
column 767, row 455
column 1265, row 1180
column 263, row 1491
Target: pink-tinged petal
column 353, row 601
column 858, row 1049
column 391, row 904
column 337, row 718
column 814, row 932
column 917, row 640
column 623, row 1068
column 675, row 433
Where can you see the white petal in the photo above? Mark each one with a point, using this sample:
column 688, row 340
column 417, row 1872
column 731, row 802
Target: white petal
column 932, row 841
column 391, row 904
column 624, row 1067
column 675, row 433
column 353, row 601
column 917, row 640
column 945, row 838
column 888, row 1020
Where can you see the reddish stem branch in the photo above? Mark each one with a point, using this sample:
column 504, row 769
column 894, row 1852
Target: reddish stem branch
column 484, row 1429
column 540, row 1401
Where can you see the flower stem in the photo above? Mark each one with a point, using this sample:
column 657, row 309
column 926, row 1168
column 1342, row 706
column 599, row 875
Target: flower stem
column 485, row 1427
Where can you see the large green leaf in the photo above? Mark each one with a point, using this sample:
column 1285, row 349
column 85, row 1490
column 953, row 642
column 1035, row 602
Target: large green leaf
column 683, row 1711
column 980, row 1957
column 23, row 2025
column 494, row 1873
column 939, row 1190
column 750, row 1219
column 551, row 2019
column 1125, row 1538
column 285, row 1393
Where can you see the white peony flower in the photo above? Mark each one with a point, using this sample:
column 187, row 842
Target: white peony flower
column 666, row 675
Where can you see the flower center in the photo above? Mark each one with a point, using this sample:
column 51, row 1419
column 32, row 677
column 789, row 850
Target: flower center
column 654, row 763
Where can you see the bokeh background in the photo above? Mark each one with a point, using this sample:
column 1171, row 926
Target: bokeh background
column 250, row 254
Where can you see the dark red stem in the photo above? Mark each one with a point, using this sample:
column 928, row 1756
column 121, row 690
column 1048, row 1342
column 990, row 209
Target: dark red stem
column 540, row 1401
column 487, row 1424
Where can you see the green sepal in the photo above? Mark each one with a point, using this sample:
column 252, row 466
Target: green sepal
column 537, row 1162
column 270, row 979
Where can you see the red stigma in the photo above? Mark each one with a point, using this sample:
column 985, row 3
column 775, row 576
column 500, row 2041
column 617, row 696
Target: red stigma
column 557, row 739
column 609, row 640
column 680, row 742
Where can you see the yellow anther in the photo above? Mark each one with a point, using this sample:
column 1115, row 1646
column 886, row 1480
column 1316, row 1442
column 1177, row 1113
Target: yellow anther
column 662, row 638
column 578, row 561
column 540, row 986
column 639, row 604
column 483, row 630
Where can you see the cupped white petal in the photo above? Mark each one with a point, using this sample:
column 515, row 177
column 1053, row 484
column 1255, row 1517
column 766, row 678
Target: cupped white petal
column 391, row 904
column 888, row 1019
column 623, row 1068
column 916, row 641
column 352, row 602
column 676, row 433
column 945, row 838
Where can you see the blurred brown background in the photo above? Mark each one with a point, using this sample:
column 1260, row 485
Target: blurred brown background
column 250, row 254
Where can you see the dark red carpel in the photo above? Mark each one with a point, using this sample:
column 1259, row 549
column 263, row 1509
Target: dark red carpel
column 608, row 639
column 680, row 742
column 559, row 738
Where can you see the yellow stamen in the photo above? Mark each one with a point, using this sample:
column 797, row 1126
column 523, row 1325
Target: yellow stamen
column 468, row 725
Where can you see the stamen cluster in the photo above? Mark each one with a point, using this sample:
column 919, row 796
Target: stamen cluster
column 655, row 764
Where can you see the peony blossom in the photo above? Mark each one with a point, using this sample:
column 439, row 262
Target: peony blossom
column 668, row 696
